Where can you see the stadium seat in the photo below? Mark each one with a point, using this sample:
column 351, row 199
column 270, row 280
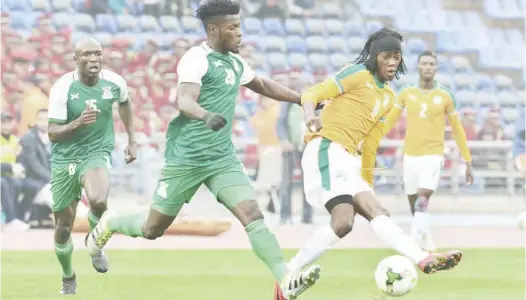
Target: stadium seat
column 445, row 80
column 336, row 45
column 503, row 82
column 337, row 61
column 77, row 35
column 372, row 26
column 464, row 82
column 484, row 83
column 466, row 99
column 296, row 44
column 334, row 27
column 298, row 62
column 62, row 20
column 149, row 24
column 17, row 5
column 444, row 64
column 252, row 26
column 61, row 5
column 314, row 27
column 192, row 25
column 273, row 26
column 170, row 24
column 107, row 23
column 275, row 44
column 416, row 45
column 40, row 6
column 353, row 29
column 259, row 59
column 356, row 44
column 104, row 38
column 318, row 62
column 20, row 20
column 461, row 64
column 127, row 23
column 256, row 40
column 486, row 100
column 277, row 62
column 294, row 27
column 84, row 22
column 316, row 44
column 330, row 10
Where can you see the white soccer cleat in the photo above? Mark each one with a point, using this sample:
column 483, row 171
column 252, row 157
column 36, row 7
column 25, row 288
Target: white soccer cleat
column 294, row 285
column 95, row 242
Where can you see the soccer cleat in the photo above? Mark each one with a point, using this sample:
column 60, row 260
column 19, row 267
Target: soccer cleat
column 294, row 285
column 440, row 261
column 97, row 239
column 98, row 259
column 69, row 286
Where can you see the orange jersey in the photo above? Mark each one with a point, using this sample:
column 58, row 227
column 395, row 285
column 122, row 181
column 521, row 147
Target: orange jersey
column 358, row 102
column 426, row 120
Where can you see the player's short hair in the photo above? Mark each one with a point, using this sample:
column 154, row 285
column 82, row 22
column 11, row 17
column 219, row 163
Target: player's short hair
column 427, row 53
column 209, row 9
column 370, row 62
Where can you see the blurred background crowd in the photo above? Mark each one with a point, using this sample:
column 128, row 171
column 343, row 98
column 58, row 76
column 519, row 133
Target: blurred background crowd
column 480, row 47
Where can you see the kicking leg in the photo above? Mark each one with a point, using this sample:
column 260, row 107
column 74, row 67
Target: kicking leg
column 368, row 206
column 323, row 239
column 64, row 247
column 96, row 183
column 420, row 225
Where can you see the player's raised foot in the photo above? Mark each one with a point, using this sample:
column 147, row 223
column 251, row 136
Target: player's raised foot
column 440, row 261
column 294, row 285
column 98, row 259
column 69, row 286
column 98, row 237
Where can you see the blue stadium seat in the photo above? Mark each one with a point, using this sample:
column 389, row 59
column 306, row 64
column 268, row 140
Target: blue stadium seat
column 104, row 38
column 464, row 82
column 20, row 20
column 170, row 24
column 192, row 25
column 356, row 44
column 354, row 29
column 461, row 64
column 298, row 62
column 316, row 44
column 485, row 100
column 277, row 62
column 256, row 40
column 77, row 35
column 484, row 83
column 336, row 45
column 334, row 27
column 107, row 23
column 275, row 44
column 294, row 27
column 252, row 26
column 62, row 19
column 337, row 61
column 330, row 10
column 61, row 5
column 314, row 27
column 18, row 5
column 84, row 22
column 78, row 5
column 445, row 80
column 319, row 62
column 417, row 45
column 411, row 62
column 273, row 26
column 127, row 23
column 466, row 99
column 372, row 26
column 40, row 6
column 149, row 24
column 296, row 44
column 444, row 64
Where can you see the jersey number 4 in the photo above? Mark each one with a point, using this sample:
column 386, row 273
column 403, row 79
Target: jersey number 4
column 230, row 78
column 91, row 104
column 423, row 109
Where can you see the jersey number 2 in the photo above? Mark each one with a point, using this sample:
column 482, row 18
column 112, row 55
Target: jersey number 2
column 230, row 77
column 423, row 109
column 91, row 104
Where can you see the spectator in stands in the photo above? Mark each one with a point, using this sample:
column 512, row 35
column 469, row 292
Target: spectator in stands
column 469, row 122
column 519, row 142
column 154, row 7
column 180, row 46
column 492, row 129
column 10, row 173
column 290, row 124
column 35, row 156
column 34, row 100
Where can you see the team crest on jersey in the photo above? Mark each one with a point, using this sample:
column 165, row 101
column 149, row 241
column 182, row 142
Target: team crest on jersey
column 74, row 96
column 412, row 98
column 437, row 99
column 106, row 93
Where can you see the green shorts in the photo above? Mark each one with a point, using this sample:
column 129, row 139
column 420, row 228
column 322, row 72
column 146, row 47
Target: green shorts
column 65, row 179
column 178, row 184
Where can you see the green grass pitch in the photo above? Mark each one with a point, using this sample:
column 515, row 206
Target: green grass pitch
column 238, row 275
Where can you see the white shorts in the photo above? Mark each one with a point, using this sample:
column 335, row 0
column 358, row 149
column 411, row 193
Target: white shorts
column 422, row 172
column 330, row 171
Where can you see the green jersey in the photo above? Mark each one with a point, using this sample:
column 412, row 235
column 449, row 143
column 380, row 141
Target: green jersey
column 190, row 142
column 68, row 98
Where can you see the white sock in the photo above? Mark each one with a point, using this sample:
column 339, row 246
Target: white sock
column 322, row 240
column 420, row 228
column 393, row 235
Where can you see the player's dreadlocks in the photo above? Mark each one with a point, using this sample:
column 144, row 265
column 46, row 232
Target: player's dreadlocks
column 368, row 57
column 209, row 9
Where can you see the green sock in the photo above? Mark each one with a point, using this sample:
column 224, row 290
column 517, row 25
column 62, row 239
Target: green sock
column 130, row 225
column 64, row 253
column 93, row 220
column 266, row 247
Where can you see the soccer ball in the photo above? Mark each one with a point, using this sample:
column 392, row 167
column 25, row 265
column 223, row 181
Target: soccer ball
column 521, row 221
column 396, row 275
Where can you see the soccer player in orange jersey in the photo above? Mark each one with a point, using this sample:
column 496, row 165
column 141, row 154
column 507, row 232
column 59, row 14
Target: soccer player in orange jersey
column 332, row 167
column 427, row 103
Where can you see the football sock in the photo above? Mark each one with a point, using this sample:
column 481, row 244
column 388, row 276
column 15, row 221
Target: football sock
column 64, row 253
column 322, row 240
column 129, row 225
column 393, row 235
column 93, row 220
column 266, row 247
column 420, row 228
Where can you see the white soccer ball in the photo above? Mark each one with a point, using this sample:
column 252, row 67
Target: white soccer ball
column 521, row 221
column 396, row 275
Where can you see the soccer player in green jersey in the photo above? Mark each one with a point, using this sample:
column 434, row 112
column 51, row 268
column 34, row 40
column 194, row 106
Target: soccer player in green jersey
column 82, row 136
column 199, row 147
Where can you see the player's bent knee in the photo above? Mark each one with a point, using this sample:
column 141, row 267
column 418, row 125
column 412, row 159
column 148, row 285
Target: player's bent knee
column 247, row 212
column 63, row 233
column 341, row 226
column 98, row 206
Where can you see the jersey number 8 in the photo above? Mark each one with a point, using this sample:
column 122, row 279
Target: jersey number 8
column 91, row 104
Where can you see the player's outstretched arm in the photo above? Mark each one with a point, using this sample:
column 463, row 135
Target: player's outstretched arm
column 270, row 88
column 368, row 150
